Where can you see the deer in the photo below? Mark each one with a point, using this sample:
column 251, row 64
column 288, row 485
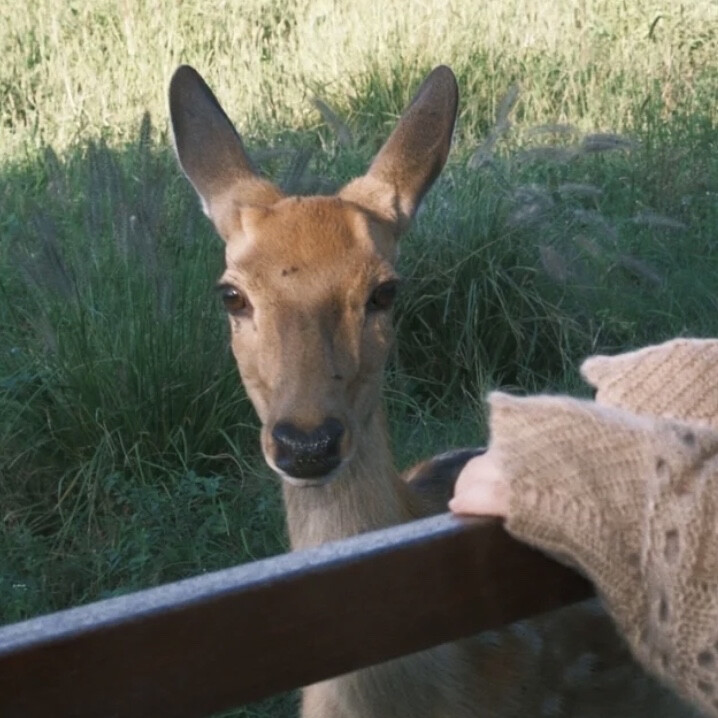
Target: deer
column 309, row 287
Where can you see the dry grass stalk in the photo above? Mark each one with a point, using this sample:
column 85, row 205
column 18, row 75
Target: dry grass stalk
column 592, row 218
column 46, row 333
column 267, row 154
column 639, row 269
column 553, row 129
column 554, row 264
column 45, row 268
column 532, row 205
column 588, row 245
column 484, row 153
column 650, row 218
column 294, row 176
column 338, row 127
column 549, row 153
column 578, row 189
column 606, row 142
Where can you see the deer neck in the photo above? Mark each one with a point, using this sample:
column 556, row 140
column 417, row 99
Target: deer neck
column 367, row 495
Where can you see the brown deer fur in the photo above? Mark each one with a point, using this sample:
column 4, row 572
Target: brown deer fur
column 301, row 273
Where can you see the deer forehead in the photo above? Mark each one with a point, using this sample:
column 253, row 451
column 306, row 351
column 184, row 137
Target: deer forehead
column 309, row 248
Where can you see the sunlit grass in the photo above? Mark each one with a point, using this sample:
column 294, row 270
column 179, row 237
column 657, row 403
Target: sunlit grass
column 81, row 70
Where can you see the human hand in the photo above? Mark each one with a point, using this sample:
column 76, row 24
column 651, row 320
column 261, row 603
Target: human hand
column 481, row 487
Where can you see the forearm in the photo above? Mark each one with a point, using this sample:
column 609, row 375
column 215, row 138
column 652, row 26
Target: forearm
column 632, row 502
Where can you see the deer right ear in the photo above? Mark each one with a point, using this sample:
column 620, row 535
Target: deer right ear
column 210, row 151
column 411, row 159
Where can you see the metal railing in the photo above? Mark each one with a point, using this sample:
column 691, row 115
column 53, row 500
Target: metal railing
column 216, row 641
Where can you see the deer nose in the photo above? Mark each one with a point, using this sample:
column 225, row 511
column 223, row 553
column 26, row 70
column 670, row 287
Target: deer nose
column 307, row 455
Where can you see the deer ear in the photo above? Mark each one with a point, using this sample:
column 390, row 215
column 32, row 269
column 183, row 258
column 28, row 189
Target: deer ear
column 413, row 156
column 210, row 151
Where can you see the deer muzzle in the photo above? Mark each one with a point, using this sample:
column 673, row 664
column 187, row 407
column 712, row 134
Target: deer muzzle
column 307, row 454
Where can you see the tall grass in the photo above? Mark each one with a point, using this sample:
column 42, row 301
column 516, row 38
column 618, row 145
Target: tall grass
column 577, row 214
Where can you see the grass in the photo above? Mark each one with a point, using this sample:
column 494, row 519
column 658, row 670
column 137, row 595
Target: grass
column 578, row 214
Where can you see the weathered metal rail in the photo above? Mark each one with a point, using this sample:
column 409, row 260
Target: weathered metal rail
column 219, row 640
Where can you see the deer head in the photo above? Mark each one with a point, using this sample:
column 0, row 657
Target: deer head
column 310, row 281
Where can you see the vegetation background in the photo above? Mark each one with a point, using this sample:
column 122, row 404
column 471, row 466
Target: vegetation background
column 578, row 214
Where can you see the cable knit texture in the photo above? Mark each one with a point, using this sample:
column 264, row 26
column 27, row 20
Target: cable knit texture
column 626, row 488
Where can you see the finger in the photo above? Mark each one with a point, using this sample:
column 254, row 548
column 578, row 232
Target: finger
column 481, row 470
column 476, row 470
column 484, row 499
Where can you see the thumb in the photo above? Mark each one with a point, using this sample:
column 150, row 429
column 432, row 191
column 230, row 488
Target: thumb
column 481, row 488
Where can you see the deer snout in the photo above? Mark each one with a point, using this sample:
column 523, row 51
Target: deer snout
column 307, row 455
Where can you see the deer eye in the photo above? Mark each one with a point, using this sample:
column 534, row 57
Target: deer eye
column 235, row 302
column 382, row 298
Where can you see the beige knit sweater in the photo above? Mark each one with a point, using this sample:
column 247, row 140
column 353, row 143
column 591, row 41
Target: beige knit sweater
column 626, row 488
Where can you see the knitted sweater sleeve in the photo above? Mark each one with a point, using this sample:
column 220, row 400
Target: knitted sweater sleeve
column 631, row 500
column 676, row 380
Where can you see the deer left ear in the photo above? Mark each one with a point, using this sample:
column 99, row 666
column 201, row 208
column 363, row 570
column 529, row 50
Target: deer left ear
column 413, row 156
